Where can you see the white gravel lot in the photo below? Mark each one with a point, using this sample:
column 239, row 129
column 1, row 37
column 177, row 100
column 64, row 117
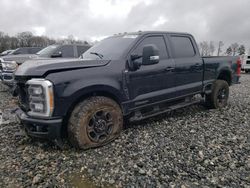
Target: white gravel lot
column 191, row 147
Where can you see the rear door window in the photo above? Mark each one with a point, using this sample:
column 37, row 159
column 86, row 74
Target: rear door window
column 182, row 46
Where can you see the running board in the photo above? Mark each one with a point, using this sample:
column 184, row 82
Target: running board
column 157, row 111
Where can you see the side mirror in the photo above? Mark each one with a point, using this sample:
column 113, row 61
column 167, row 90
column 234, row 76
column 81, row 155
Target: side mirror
column 150, row 55
column 57, row 54
column 135, row 65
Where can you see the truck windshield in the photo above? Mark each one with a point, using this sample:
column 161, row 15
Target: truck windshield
column 110, row 48
column 48, row 51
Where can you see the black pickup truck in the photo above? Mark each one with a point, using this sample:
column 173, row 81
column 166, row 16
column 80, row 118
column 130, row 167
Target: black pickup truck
column 127, row 76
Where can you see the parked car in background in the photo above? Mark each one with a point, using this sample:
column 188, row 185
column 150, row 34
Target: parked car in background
column 10, row 64
column 246, row 64
column 20, row 55
column 132, row 75
column 26, row 50
column 64, row 51
column 6, row 52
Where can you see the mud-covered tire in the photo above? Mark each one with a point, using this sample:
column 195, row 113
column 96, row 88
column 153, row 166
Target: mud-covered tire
column 95, row 122
column 219, row 96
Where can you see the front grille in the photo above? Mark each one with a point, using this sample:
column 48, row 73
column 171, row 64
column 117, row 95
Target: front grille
column 21, row 79
column 23, row 97
column 248, row 62
column 22, row 90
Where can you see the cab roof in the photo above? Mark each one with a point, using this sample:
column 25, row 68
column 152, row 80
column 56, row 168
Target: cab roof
column 150, row 32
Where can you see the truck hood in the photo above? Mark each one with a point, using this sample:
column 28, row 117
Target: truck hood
column 19, row 58
column 41, row 67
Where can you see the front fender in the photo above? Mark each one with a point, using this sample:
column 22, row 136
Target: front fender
column 73, row 85
column 68, row 95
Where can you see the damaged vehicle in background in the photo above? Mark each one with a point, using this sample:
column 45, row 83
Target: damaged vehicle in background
column 6, row 52
column 21, row 50
column 21, row 54
column 9, row 64
column 131, row 75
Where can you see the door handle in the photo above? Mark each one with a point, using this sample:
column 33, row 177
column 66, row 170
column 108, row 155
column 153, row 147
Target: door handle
column 169, row 69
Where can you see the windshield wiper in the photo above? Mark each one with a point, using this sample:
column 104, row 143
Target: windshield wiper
column 98, row 54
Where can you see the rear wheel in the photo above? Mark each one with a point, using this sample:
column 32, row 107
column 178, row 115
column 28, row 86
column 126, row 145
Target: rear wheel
column 219, row 96
column 95, row 122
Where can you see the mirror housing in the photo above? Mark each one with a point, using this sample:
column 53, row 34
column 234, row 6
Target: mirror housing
column 150, row 55
column 57, row 54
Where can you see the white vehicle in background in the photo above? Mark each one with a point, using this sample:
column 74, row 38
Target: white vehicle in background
column 246, row 64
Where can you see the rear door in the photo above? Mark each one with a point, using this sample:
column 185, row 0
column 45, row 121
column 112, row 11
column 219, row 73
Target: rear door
column 152, row 83
column 188, row 65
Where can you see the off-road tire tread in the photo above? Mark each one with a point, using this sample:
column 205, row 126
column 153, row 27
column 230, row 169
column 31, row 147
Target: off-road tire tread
column 210, row 99
column 79, row 112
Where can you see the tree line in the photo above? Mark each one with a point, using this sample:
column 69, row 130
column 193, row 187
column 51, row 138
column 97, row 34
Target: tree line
column 211, row 48
column 28, row 39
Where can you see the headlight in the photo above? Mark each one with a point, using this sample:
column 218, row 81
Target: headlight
column 41, row 97
column 9, row 66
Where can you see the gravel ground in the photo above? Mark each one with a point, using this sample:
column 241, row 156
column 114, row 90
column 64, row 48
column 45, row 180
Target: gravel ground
column 191, row 147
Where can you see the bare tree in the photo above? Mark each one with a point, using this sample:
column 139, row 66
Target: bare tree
column 211, row 48
column 204, row 48
column 234, row 47
column 24, row 38
column 221, row 44
column 229, row 50
column 27, row 38
column 241, row 50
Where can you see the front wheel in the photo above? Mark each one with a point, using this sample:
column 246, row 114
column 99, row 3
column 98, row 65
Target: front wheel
column 219, row 96
column 95, row 122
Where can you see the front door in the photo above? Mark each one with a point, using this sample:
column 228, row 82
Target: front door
column 152, row 83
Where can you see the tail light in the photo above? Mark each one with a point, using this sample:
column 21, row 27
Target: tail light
column 238, row 70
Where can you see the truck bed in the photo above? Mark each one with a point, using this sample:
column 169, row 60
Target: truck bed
column 213, row 65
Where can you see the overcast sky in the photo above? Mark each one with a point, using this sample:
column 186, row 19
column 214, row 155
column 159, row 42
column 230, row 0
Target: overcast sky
column 226, row 20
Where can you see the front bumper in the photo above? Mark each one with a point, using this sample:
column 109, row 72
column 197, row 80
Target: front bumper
column 40, row 128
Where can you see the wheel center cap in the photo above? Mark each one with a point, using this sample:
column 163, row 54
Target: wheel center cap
column 100, row 125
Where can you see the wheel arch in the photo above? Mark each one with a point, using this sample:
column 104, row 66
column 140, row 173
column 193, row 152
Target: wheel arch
column 226, row 76
column 100, row 90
